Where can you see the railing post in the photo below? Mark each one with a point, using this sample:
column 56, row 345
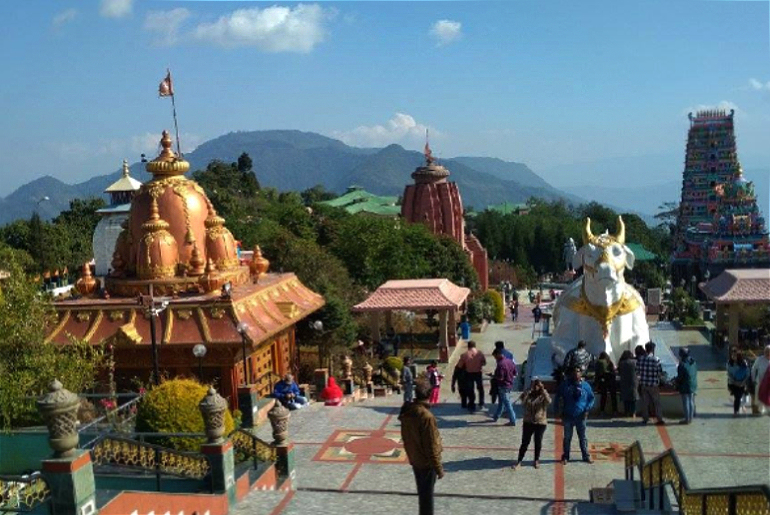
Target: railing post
column 704, row 505
column 660, row 484
column 732, row 504
column 651, row 487
column 157, row 469
column 69, row 473
column 218, row 450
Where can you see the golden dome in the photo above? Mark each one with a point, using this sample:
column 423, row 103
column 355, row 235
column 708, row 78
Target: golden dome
column 86, row 285
column 158, row 250
column 172, row 232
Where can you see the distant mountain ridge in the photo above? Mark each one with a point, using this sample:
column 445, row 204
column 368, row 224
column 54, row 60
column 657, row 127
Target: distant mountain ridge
column 295, row 160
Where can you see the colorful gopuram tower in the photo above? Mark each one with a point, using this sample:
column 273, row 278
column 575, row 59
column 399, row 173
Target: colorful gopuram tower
column 435, row 202
column 719, row 224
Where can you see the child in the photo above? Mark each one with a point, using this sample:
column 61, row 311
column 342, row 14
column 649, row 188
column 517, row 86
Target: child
column 435, row 377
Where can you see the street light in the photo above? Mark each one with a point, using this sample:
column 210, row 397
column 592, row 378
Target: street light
column 243, row 329
column 199, row 351
column 155, row 306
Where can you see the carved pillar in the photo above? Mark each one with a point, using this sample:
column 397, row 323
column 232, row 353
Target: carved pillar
column 443, row 338
column 734, row 323
column 69, row 473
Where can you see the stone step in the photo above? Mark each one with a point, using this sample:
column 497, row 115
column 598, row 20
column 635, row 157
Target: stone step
column 626, row 494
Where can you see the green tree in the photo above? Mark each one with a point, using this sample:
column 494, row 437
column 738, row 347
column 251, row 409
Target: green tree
column 27, row 362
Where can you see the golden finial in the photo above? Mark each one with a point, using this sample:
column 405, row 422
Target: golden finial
column 126, row 171
column 428, row 153
column 167, row 163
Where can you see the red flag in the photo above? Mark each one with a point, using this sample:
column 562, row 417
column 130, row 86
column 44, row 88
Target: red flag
column 166, row 88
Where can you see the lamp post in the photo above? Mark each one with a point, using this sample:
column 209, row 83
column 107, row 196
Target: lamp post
column 693, row 280
column 243, row 329
column 199, row 351
column 155, row 306
column 318, row 327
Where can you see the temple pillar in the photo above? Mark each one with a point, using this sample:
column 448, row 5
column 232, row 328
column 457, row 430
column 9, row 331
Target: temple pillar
column 443, row 349
column 374, row 325
column 733, row 323
column 452, row 329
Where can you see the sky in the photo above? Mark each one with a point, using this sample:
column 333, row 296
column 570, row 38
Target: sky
column 547, row 83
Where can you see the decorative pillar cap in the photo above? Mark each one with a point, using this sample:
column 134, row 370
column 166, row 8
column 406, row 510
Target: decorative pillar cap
column 213, row 402
column 57, row 397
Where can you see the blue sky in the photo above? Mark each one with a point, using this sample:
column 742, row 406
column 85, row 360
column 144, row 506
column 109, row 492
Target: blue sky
column 546, row 83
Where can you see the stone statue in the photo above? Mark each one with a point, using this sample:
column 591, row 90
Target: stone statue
column 599, row 307
column 347, row 367
column 568, row 253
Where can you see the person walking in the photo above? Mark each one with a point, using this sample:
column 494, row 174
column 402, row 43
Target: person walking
column 537, row 312
column 434, row 378
column 758, row 372
column 687, row 383
column 499, row 344
column 460, row 385
column 737, row 378
column 407, row 380
column 629, row 383
column 535, row 402
column 473, row 361
column 422, row 443
column 578, row 357
column 650, row 373
column 505, row 373
column 578, row 399
column 606, row 382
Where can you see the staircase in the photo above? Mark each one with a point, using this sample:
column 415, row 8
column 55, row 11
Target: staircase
column 660, row 486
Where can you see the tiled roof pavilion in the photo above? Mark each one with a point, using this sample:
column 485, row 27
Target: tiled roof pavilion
column 418, row 295
column 415, row 295
column 745, row 285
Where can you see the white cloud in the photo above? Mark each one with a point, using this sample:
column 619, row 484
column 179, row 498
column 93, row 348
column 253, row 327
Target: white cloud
column 759, row 86
column 166, row 24
column 273, row 29
column 446, row 32
column 115, row 8
column 64, row 17
column 120, row 148
column 402, row 128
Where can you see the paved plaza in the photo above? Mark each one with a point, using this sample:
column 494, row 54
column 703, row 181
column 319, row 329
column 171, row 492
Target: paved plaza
column 350, row 460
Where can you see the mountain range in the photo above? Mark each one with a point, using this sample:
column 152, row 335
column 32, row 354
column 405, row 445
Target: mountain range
column 294, row 160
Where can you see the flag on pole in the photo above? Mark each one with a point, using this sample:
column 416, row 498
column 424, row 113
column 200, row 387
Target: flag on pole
column 166, row 88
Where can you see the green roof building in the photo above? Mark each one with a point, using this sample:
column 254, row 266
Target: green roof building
column 358, row 200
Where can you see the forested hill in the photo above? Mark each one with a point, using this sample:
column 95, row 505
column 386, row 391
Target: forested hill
column 295, row 160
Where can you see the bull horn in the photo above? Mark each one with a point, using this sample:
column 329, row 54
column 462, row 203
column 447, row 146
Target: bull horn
column 587, row 234
column 620, row 237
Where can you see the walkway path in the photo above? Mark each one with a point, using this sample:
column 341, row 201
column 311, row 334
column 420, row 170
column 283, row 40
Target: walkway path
column 349, row 460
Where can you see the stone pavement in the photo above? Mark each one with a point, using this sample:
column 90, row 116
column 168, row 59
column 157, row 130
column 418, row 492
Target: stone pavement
column 349, row 459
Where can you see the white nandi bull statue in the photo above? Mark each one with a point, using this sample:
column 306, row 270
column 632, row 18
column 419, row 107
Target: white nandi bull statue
column 599, row 307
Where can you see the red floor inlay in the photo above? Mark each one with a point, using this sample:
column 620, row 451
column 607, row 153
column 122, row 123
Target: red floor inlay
column 363, row 446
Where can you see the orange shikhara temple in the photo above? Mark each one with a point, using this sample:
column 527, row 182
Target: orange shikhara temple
column 175, row 247
column 435, row 201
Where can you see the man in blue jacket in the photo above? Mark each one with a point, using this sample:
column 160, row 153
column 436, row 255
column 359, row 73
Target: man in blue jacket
column 578, row 399
column 287, row 392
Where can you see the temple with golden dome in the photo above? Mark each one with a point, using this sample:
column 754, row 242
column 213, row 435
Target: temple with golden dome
column 175, row 248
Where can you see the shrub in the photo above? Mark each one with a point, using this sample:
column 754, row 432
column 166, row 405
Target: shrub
column 172, row 407
column 393, row 365
column 495, row 301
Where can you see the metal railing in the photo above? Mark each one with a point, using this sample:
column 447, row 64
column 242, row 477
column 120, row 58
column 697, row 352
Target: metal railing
column 23, row 494
column 666, row 470
column 126, row 452
column 119, row 419
column 249, row 447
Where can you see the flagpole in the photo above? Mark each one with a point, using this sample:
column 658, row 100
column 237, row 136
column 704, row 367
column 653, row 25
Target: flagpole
column 176, row 126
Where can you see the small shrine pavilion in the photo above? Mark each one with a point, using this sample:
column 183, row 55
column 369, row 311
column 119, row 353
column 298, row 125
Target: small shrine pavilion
column 108, row 229
column 435, row 201
column 417, row 295
column 175, row 255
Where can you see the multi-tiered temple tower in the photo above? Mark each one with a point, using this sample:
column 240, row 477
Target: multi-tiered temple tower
column 435, row 201
column 719, row 224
